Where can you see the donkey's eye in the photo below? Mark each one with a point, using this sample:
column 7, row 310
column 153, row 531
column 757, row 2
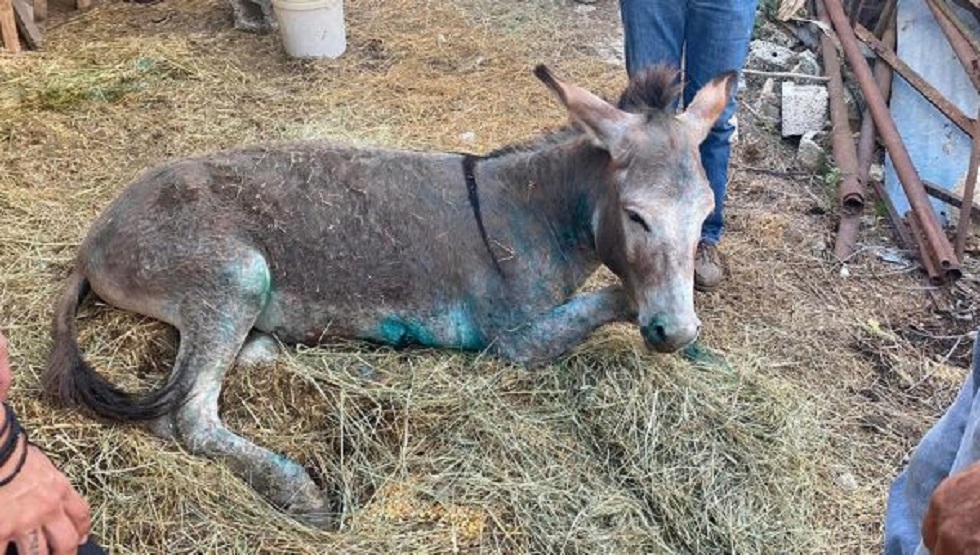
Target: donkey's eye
column 638, row 219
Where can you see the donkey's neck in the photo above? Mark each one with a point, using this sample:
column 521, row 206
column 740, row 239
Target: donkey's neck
column 560, row 183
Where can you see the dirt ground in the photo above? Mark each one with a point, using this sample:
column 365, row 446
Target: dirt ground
column 837, row 370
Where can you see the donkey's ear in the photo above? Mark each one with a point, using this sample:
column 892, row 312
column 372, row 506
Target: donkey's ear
column 606, row 124
column 708, row 105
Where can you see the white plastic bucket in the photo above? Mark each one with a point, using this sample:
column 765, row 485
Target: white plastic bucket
column 311, row 28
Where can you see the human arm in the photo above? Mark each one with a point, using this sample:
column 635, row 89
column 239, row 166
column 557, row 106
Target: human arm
column 952, row 522
column 40, row 512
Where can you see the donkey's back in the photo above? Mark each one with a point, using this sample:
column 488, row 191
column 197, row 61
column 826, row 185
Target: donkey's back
column 340, row 241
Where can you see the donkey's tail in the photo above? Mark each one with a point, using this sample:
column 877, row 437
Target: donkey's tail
column 71, row 381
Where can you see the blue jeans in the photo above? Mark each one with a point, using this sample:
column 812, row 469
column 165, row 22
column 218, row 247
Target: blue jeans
column 716, row 35
column 951, row 445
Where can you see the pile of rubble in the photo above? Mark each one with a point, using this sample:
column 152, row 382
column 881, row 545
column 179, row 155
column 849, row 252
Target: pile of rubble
column 789, row 89
column 794, row 93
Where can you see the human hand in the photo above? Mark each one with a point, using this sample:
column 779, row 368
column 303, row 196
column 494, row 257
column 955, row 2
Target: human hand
column 952, row 522
column 40, row 512
column 6, row 376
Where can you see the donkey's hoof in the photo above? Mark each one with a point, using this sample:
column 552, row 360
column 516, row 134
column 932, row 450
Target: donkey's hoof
column 260, row 350
column 317, row 512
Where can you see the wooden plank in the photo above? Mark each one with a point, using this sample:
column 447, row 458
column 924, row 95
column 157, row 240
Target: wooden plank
column 8, row 28
column 28, row 29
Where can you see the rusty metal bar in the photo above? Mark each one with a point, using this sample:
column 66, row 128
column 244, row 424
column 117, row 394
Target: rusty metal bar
column 901, row 228
column 951, row 198
column 931, row 230
column 961, row 46
column 955, row 20
column 967, row 50
column 886, row 18
column 866, row 144
column 883, row 79
column 845, row 245
column 923, row 87
column 963, row 226
column 918, row 235
column 851, row 190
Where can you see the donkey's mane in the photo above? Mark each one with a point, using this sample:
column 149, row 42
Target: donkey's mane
column 651, row 91
column 554, row 137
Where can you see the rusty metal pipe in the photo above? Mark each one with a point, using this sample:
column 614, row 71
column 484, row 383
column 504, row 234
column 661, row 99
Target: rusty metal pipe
column 963, row 226
column 851, row 190
column 866, row 144
column 932, row 232
column 928, row 263
column 886, row 18
column 901, row 228
column 883, row 79
column 887, row 54
column 961, row 45
column 950, row 16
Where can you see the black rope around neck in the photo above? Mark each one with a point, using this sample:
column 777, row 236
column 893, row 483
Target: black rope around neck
column 469, row 173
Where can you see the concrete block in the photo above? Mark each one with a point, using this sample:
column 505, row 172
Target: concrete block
column 769, row 56
column 804, row 108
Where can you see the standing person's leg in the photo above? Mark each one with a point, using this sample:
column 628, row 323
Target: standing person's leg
column 718, row 33
column 653, row 32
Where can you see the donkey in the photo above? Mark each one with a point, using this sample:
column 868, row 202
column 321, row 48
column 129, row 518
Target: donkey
column 304, row 241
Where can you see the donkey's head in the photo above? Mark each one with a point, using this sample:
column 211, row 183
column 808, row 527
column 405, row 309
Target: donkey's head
column 655, row 196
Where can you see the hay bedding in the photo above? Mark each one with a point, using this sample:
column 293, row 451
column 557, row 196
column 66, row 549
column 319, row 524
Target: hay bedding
column 610, row 450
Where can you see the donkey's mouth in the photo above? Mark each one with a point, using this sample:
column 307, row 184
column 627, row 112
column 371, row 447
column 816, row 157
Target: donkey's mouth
column 662, row 339
column 668, row 347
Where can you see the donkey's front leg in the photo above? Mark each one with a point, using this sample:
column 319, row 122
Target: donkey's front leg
column 556, row 332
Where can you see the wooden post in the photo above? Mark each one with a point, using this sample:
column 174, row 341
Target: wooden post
column 8, row 28
column 28, row 29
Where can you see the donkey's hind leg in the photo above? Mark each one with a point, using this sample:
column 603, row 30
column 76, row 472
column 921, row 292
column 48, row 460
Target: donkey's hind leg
column 213, row 330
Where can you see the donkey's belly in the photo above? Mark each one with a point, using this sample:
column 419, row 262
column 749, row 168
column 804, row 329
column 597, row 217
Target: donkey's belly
column 450, row 325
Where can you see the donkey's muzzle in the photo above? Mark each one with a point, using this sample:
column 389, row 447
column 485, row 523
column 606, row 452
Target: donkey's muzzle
column 666, row 335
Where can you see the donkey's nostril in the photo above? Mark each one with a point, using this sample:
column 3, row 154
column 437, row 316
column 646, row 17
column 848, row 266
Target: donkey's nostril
column 656, row 329
column 666, row 334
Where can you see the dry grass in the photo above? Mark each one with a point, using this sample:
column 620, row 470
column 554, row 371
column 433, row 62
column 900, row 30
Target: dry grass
column 610, row 450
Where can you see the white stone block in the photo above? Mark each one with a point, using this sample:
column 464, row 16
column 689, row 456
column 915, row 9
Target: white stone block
column 804, row 108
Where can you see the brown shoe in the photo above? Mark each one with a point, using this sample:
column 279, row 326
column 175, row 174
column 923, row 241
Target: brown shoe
column 708, row 269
